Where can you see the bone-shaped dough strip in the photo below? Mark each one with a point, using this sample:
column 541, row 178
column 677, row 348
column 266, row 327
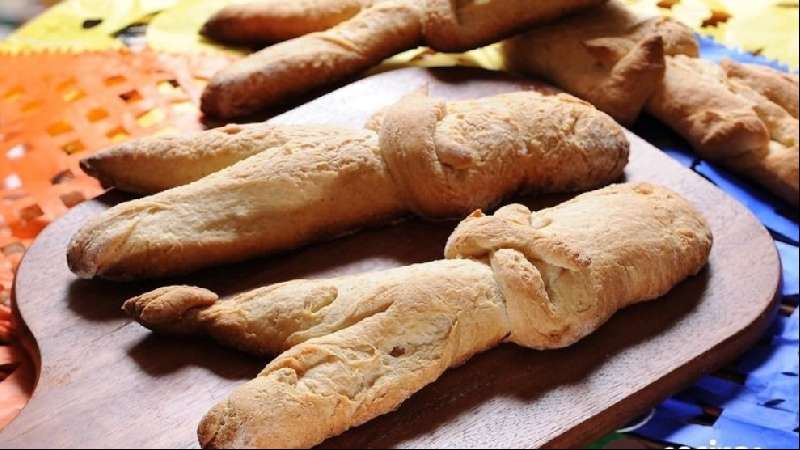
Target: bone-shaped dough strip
column 269, row 21
column 356, row 347
column 607, row 55
column 431, row 158
column 154, row 164
column 298, row 66
column 740, row 115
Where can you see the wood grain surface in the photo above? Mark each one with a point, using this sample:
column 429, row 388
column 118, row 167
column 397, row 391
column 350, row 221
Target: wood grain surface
column 107, row 382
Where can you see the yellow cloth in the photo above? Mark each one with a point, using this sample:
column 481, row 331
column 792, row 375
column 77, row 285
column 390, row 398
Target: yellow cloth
column 61, row 27
column 176, row 28
column 769, row 27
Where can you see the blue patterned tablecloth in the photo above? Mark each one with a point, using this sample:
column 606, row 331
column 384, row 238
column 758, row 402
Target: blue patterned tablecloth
column 753, row 403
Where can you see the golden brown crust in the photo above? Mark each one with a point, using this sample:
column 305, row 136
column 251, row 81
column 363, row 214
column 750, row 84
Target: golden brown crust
column 484, row 150
column 267, row 21
column 153, row 164
column 356, row 347
column 459, row 25
column 448, row 25
column 171, row 309
column 607, row 55
column 736, row 115
column 744, row 116
column 283, row 71
column 430, row 317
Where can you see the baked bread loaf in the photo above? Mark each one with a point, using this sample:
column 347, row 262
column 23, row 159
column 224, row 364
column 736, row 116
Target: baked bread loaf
column 607, row 55
column 432, row 158
column 741, row 116
column 267, row 21
column 356, row 347
column 298, row 66
column 153, row 164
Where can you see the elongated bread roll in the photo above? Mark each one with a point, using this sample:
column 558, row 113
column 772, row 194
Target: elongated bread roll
column 153, row 164
column 607, row 55
column 733, row 119
column 434, row 158
column 459, row 25
column 356, row 347
column 298, row 66
column 269, row 21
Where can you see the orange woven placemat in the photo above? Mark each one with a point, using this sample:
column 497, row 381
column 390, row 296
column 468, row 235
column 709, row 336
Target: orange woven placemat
column 56, row 108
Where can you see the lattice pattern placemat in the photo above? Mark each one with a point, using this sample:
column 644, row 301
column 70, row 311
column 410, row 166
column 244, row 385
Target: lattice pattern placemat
column 56, row 108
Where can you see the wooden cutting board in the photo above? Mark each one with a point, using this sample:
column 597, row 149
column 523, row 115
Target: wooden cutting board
column 107, row 382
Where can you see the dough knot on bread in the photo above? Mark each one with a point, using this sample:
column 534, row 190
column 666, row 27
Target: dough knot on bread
column 452, row 26
column 447, row 156
column 562, row 275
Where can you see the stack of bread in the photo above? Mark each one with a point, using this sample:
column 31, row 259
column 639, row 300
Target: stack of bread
column 352, row 348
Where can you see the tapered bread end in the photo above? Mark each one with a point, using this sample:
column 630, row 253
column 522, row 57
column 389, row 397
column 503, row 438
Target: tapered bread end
column 170, row 309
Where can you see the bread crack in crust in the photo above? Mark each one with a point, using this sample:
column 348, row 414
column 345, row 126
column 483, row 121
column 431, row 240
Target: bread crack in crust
column 356, row 347
column 295, row 185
